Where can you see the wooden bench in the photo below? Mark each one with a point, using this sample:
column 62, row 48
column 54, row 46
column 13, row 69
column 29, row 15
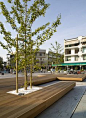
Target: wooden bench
column 32, row 104
column 71, row 77
column 6, row 83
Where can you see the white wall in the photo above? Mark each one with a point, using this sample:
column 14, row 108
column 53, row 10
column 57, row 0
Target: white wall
column 72, row 59
column 72, row 51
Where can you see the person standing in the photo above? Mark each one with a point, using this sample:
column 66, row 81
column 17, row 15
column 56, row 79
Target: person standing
column 41, row 70
column 51, row 70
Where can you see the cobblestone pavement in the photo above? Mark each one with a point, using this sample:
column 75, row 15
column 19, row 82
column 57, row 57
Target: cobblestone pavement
column 69, row 106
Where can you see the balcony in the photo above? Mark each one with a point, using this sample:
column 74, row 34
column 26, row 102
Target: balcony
column 72, row 46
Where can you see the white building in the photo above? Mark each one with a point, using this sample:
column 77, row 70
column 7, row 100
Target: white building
column 74, row 54
column 75, row 50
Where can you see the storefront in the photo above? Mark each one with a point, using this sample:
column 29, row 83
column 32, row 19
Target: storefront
column 74, row 66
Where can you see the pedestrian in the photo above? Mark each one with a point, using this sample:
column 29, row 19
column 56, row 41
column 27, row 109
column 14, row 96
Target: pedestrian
column 41, row 70
column 51, row 70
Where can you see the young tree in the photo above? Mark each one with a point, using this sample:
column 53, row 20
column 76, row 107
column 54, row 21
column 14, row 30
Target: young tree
column 1, row 62
column 21, row 17
column 56, row 52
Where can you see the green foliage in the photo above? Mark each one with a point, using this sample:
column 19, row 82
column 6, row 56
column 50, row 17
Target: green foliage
column 21, row 18
column 76, row 68
column 65, row 69
column 56, row 52
column 37, row 66
column 1, row 62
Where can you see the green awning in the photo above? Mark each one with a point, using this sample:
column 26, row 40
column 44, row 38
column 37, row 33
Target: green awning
column 70, row 64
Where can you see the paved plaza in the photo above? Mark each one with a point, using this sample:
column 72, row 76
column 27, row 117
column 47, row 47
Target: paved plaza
column 8, row 75
column 72, row 105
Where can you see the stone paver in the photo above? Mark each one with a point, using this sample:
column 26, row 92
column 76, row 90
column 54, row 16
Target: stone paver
column 64, row 108
column 9, row 75
column 80, row 111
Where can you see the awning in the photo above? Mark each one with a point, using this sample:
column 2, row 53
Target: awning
column 70, row 64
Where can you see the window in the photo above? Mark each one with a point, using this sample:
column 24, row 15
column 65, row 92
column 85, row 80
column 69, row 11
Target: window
column 68, row 59
column 76, row 58
column 68, row 51
column 76, row 51
column 84, row 57
column 40, row 54
column 66, row 45
column 40, row 58
column 84, row 50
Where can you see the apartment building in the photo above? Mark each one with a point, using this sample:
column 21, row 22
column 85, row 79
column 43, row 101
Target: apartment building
column 41, row 57
column 75, row 51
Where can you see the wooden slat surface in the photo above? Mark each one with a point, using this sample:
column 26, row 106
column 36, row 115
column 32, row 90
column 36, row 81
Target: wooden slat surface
column 32, row 104
column 5, row 83
column 75, row 77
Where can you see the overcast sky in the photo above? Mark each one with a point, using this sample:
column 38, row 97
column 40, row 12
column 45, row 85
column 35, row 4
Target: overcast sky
column 73, row 21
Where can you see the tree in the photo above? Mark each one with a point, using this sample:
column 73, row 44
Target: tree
column 1, row 62
column 56, row 52
column 21, row 18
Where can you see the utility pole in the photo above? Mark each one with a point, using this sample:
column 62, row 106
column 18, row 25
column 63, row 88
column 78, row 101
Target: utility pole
column 17, row 64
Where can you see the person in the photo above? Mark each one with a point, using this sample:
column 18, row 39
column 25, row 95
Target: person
column 51, row 70
column 41, row 70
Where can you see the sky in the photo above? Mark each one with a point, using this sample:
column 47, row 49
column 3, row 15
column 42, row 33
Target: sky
column 73, row 22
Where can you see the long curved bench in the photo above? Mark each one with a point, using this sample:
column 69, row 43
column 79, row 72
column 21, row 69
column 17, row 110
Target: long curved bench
column 32, row 104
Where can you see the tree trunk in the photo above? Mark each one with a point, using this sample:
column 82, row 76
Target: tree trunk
column 17, row 64
column 25, row 67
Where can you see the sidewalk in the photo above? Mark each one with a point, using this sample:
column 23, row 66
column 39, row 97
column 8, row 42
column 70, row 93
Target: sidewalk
column 9, row 75
column 80, row 111
column 72, row 105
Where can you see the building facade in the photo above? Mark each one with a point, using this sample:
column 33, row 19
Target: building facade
column 75, row 50
column 41, row 57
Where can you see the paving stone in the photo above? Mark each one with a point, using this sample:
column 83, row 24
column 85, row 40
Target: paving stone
column 80, row 111
column 64, row 107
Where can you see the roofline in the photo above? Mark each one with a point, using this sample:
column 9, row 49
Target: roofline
column 74, row 38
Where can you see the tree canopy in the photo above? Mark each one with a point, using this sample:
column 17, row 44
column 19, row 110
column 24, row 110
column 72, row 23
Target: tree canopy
column 57, row 53
column 1, row 62
column 21, row 17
